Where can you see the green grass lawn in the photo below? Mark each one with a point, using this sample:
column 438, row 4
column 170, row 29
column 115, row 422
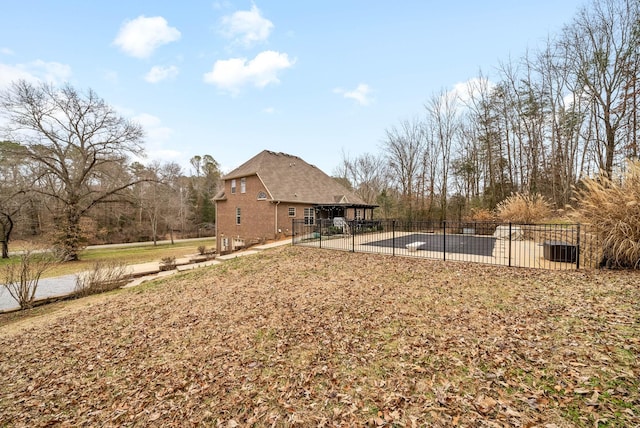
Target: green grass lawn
column 125, row 254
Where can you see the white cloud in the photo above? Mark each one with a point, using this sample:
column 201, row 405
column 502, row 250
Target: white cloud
column 52, row 71
column 472, row 88
column 269, row 110
column 157, row 137
column 232, row 74
column 159, row 73
column 219, row 5
column 153, row 127
column 36, row 71
column 246, row 27
column 140, row 37
column 6, row 51
column 360, row 94
column 10, row 73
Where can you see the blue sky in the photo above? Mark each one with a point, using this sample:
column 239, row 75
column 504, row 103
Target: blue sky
column 232, row 78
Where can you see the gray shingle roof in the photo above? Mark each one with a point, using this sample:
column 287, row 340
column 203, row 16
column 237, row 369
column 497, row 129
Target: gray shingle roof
column 288, row 178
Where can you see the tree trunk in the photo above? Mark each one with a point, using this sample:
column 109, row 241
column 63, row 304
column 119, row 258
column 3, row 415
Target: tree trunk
column 71, row 236
column 7, row 227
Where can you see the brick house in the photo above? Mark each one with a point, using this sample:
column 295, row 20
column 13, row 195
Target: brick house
column 261, row 197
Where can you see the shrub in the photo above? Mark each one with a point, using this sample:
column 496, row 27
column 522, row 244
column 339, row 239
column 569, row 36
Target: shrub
column 21, row 279
column 480, row 215
column 168, row 263
column 523, row 208
column 103, row 276
column 202, row 250
column 612, row 208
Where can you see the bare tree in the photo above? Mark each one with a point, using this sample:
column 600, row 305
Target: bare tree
column 365, row 175
column 566, row 121
column 21, row 279
column 72, row 139
column 404, row 147
column 484, row 110
column 12, row 192
column 466, row 163
column 602, row 44
column 442, row 120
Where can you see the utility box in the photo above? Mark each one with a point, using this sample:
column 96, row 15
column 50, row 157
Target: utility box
column 559, row 251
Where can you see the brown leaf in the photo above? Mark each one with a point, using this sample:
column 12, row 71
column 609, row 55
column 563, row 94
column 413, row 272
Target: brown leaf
column 485, row 404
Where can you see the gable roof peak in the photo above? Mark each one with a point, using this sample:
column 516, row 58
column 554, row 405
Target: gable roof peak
column 289, row 178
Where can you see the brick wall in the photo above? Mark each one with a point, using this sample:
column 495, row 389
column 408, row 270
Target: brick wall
column 257, row 217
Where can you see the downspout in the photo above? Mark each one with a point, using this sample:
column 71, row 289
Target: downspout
column 218, row 239
column 276, row 225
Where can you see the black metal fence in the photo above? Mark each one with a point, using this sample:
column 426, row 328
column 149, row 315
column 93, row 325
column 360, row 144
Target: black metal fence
column 547, row 246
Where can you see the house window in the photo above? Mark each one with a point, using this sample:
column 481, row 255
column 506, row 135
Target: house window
column 233, row 186
column 243, row 185
column 358, row 214
column 238, row 215
column 292, row 211
column 262, row 196
column 309, row 216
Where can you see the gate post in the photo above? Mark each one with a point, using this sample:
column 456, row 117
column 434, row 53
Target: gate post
column 510, row 244
column 444, row 240
column 353, row 236
column 578, row 249
column 393, row 237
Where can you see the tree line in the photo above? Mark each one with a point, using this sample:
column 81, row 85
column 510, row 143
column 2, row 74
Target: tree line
column 561, row 113
column 71, row 175
column 71, row 170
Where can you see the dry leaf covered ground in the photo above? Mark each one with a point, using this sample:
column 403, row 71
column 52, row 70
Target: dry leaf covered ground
column 323, row 338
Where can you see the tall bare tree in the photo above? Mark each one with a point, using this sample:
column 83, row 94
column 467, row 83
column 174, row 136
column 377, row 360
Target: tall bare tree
column 404, row 147
column 12, row 191
column 442, row 120
column 602, row 44
column 72, row 139
column 365, row 175
column 485, row 113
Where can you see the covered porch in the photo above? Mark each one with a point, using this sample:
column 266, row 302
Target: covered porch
column 345, row 218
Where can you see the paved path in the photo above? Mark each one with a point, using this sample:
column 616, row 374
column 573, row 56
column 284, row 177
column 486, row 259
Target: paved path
column 64, row 285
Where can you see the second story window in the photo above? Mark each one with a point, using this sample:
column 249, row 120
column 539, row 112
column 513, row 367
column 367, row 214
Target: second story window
column 233, row 186
column 243, row 185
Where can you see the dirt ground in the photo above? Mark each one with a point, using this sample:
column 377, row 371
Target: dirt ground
column 310, row 337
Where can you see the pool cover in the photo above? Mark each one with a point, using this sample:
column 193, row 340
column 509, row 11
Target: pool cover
column 460, row 244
